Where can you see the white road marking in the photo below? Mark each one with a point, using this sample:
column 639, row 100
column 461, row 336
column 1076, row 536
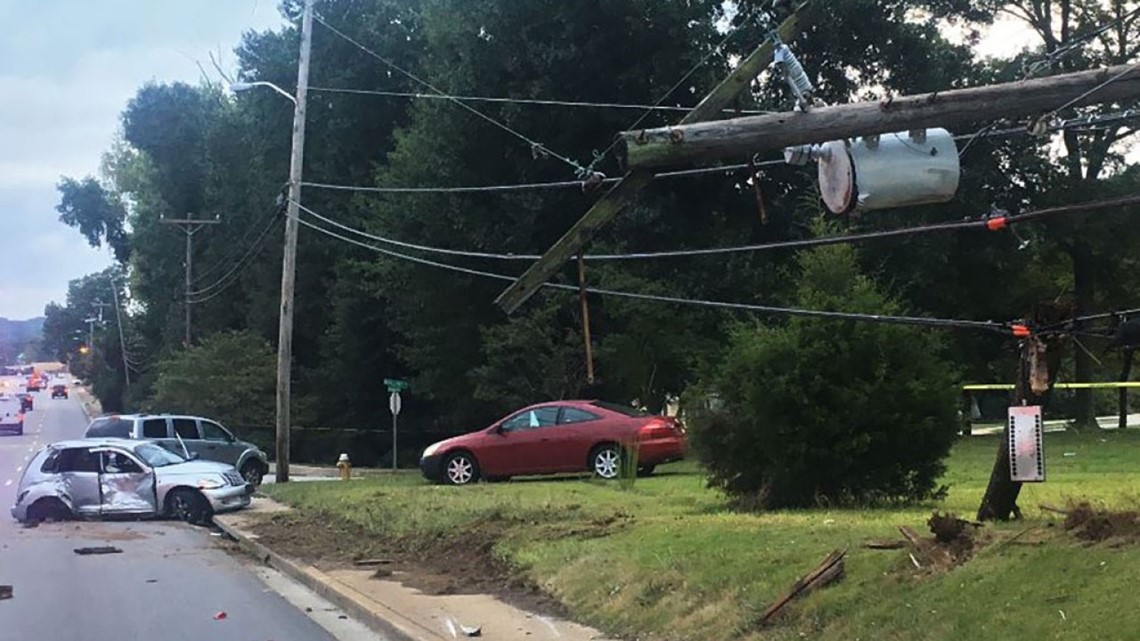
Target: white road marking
column 19, row 468
column 7, row 483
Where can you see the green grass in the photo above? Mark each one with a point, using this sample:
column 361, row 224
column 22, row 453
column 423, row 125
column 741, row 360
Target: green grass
column 666, row 559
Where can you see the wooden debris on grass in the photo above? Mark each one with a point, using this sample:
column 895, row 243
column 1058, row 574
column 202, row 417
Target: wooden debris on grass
column 827, row 572
column 884, row 544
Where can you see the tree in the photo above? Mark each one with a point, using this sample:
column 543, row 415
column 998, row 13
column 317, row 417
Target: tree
column 97, row 213
column 229, row 376
column 819, row 410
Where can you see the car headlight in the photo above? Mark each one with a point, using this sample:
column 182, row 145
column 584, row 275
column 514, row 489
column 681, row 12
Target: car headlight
column 211, row 484
column 432, row 449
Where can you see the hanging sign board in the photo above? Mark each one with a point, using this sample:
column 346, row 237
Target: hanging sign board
column 1026, row 445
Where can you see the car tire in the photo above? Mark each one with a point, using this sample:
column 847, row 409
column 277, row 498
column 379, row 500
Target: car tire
column 646, row 470
column 606, row 461
column 187, row 505
column 48, row 509
column 253, row 473
column 460, row 468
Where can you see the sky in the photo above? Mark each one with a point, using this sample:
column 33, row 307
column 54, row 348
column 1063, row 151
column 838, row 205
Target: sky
column 67, row 69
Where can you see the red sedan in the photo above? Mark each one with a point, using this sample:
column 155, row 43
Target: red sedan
column 551, row 438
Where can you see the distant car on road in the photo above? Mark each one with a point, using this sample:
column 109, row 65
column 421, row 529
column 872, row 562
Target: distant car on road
column 11, row 414
column 59, row 391
column 27, row 402
column 550, row 438
column 116, row 477
column 200, row 436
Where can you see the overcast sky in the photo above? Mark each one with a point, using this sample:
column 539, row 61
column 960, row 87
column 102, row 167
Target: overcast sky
column 67, row 69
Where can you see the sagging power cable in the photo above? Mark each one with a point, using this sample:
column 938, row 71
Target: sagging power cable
column 1003, row 328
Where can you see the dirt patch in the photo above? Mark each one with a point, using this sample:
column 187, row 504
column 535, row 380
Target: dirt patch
column 463, row 562
column 1090, row 524
column 954, row 542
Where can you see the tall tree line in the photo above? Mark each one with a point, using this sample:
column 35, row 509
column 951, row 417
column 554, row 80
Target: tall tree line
column 360, row 317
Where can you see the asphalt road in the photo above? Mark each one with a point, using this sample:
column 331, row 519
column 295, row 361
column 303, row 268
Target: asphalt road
column 171, row 581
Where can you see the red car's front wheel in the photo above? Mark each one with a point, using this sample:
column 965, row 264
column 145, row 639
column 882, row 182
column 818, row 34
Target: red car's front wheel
column 460, row 468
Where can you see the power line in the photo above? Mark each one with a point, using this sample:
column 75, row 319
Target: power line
column 1048, row 60
column 273, row 213
column 700, row 63
column 995, row 221
column 521, row 101
column 527, row 186
column 241, row 261
column 986, row 132
column 763, row 309
column 536, row 147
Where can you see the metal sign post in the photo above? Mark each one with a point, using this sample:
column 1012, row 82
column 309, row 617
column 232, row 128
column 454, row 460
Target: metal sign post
column 394, row 404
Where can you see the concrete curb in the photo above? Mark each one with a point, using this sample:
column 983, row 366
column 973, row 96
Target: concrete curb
column 390, row 624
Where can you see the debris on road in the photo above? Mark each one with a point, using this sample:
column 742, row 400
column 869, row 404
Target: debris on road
column 371, row 562
column 104, row 549
column 827, row 572
column 5, row 592
column 220, row 616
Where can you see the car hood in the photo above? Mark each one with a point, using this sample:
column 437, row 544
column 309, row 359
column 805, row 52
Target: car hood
column 194, row 468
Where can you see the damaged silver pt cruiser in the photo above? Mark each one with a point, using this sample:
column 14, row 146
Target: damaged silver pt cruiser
column 91, row 478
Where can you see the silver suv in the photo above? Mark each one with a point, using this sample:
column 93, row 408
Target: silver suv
column 203, row 439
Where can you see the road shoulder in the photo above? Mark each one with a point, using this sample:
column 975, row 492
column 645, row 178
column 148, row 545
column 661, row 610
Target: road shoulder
column 394, row 610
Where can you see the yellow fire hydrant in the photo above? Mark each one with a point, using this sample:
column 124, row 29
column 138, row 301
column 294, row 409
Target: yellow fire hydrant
column 345, row 467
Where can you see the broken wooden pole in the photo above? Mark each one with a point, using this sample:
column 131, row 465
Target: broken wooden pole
column 617, row 198
column 743, row 137
column 829, row 571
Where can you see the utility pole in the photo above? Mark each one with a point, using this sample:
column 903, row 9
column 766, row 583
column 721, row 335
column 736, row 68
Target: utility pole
column 743, row 137
column 1039, row 359
column 585, row 319
column 119, row 322
column 610, row 205
column 289, row 259
column 189, row 227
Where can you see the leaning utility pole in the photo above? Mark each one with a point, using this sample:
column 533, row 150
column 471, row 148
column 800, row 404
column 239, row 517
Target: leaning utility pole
column 610, row 205
column 743, row 137
column 189, row 227
column 289, row 260
column 646, row 151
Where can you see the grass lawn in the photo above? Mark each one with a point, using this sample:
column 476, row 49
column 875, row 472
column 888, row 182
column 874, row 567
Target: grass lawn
column 667, row 560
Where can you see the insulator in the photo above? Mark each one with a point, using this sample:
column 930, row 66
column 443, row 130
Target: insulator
column 794, row 72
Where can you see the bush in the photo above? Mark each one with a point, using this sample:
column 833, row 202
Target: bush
column 230, row 377
column 821, row 410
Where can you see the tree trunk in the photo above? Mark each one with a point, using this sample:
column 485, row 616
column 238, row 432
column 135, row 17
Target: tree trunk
column 1084, row 290
column 1125, row 373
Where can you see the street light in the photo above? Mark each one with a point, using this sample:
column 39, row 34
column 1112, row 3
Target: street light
column 245, row 86
column 289, row 256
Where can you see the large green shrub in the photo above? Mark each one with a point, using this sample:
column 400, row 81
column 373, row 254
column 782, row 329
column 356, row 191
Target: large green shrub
column 818, row 410
column 229, row 377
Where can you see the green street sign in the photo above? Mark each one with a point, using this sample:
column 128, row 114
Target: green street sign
column 396, row 385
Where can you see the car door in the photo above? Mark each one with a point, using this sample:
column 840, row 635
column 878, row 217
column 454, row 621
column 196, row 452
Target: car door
column 578, row 430
column 218, row 444
column 525, row 442
column 157, row 429
column 79, row 469
column 126, row 486
column 186, row 429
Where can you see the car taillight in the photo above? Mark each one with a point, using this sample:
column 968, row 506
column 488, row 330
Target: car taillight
column 656, row 429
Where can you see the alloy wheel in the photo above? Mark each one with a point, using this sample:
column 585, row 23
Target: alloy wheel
column 607, row 462
column 460, row 470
